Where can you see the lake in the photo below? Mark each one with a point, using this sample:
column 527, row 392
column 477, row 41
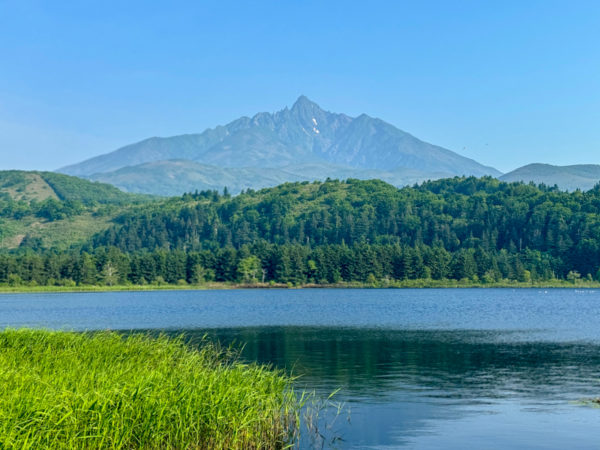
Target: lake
column 430, row 368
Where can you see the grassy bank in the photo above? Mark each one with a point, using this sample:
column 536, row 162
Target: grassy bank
column 380, row 284
column 103, row 390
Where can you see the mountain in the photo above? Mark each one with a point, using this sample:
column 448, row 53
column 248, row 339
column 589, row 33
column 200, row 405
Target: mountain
column 303, row 136
column 570, row 178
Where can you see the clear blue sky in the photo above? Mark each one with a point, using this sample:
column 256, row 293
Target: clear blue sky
column 505, row 82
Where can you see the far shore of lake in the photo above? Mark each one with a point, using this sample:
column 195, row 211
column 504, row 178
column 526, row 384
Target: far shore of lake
column 384, row 284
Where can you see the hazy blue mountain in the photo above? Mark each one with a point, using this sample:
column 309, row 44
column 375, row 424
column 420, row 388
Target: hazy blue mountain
column 303, row 135
column 175, row 177
column 582, row 176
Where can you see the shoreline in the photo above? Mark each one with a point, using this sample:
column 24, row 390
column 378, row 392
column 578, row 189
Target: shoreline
column 406, row 284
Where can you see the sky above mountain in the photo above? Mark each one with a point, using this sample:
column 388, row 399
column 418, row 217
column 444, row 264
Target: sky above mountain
column 507, row 83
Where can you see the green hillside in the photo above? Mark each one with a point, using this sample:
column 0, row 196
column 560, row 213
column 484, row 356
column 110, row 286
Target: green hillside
column 18, row 185
column 456, row 213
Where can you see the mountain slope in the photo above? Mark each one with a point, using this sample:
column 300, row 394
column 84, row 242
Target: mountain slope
column 583, row 176
column 304, row 134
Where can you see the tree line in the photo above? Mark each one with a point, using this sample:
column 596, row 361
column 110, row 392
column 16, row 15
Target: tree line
column 294, row 264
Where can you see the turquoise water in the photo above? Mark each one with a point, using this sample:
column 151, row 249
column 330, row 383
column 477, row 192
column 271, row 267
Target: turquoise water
column 440, row 368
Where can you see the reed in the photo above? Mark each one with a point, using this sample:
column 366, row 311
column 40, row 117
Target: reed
column 106, row 390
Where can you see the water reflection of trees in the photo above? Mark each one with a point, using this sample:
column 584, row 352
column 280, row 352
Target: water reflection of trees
column 440, row 363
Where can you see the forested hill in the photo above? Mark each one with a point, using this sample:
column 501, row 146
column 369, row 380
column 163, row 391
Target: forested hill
column 27, row 186
column 489, row 227
column 45, row 209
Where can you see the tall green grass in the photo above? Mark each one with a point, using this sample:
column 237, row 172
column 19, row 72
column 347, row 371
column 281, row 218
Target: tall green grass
column 105, row 390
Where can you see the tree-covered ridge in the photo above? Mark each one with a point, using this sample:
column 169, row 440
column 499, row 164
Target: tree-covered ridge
column 473, row 229
column 454, row 215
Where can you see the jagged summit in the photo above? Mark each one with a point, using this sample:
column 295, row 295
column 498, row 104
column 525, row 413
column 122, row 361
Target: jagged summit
column 304, row 102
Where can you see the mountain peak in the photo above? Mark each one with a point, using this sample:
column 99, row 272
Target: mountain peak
column 304, row 103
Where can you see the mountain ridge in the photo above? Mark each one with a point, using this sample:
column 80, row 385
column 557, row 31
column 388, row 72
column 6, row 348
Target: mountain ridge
column 570, row 178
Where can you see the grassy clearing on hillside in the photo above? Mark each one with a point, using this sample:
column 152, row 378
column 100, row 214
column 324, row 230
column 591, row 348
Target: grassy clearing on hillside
column 58, row 234
column 104, row 390
column 11, row 233
column 25, row 186
column 62, row 234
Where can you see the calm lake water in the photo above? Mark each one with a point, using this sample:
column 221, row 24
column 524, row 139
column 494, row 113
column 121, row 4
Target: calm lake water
column 439, row 368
